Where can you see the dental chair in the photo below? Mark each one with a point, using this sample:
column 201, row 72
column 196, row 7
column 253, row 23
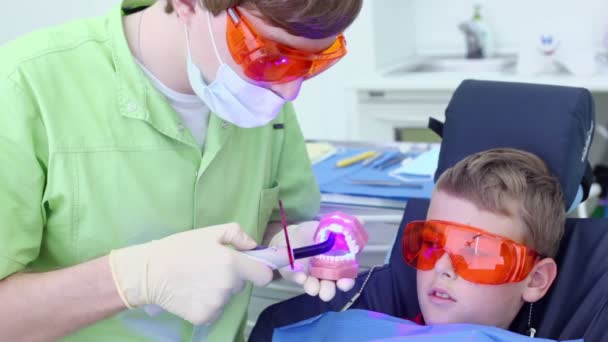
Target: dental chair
column 557, row 124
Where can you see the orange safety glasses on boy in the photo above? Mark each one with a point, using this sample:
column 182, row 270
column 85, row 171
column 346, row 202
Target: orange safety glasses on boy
column 264, row 60
column 477, row 256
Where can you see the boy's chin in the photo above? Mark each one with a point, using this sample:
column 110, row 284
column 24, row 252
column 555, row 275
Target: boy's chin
column 438, row 316
column 432, row 317
column 439, row 320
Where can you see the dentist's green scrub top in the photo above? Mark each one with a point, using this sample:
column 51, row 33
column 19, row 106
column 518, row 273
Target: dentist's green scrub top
column 93, row 158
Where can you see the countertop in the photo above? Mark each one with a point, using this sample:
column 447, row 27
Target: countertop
column 448, row 81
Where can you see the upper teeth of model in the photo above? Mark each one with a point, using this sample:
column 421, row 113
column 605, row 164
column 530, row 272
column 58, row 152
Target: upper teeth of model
column 353, row 247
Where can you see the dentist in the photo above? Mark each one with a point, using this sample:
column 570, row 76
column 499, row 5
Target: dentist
column 141, row 150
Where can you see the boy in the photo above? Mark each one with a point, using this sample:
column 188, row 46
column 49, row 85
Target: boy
column 493, row 227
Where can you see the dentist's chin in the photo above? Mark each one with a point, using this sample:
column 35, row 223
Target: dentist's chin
column 287, row 91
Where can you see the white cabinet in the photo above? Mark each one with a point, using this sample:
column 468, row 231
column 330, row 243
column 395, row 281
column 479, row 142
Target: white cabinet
column 378, row 113
column 385, row 103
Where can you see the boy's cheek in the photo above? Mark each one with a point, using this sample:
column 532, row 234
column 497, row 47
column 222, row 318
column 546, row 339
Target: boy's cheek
column 424, row 281
column 421, row 279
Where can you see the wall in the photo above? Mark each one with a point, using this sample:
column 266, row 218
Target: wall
column 394, row 27
column 25, row 16
column 323, row 104
column 436, row 21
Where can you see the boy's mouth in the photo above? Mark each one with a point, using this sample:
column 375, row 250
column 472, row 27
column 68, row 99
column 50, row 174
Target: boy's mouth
column 340, row 261
column 438, row 295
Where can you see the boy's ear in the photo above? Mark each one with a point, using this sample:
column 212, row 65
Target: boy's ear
column 539, row 280
column 185, row 9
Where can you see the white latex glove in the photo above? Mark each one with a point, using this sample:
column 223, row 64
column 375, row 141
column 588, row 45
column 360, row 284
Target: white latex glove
column 192, row 274
column 303, row 235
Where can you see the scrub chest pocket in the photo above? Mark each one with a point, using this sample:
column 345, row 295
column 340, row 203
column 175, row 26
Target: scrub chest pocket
column 269, row 199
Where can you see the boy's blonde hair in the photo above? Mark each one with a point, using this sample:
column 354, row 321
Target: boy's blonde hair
column 496, row 179
column 313, row 19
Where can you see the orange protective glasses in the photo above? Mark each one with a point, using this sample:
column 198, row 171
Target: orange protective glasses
column 477, row 256
column 264, row 60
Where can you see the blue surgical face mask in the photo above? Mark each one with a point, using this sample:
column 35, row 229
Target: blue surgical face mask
column 230, row 97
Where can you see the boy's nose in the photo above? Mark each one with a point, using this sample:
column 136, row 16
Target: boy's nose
column 288, row 91
column 444, row 267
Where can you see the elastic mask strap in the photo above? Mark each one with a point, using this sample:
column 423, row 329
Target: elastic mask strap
column 217, row 54
column 187, row 34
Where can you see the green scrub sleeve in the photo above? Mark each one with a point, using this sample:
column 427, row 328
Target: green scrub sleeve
column 23, row 156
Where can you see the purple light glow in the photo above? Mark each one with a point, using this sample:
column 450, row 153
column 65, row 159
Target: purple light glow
column 279, row 62
column 340, row 243
column 429, row 251
column 375, row 315
column 340, row 247
column 322, row 236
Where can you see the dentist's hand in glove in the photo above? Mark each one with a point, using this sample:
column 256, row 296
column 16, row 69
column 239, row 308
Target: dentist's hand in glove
column 303, row 235
column 192, row 274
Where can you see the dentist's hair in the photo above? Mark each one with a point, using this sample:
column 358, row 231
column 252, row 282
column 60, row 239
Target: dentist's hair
column 313, row 19
column 516, row 184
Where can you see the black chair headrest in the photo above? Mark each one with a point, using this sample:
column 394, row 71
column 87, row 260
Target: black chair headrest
column 554, row 122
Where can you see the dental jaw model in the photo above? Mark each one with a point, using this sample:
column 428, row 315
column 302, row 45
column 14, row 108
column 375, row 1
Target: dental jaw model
column 340, row 262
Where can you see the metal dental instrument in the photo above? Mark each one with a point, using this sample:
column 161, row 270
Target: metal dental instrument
column 393, row 161
column 395, row 183
column 372, row 159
